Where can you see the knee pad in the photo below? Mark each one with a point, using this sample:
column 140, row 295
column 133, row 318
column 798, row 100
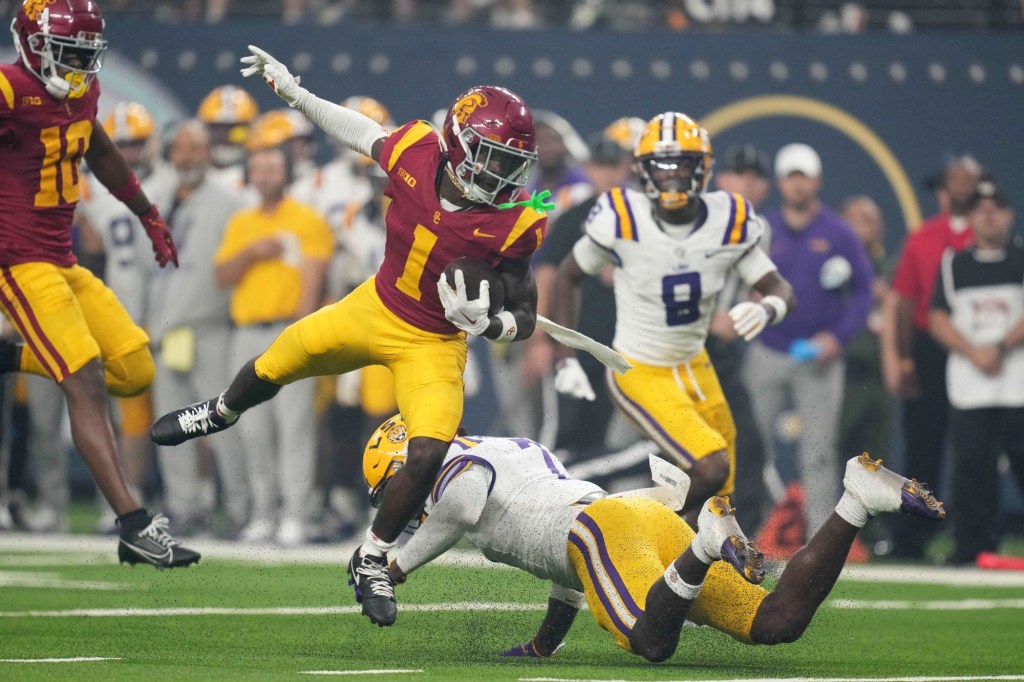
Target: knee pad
column 130, row 374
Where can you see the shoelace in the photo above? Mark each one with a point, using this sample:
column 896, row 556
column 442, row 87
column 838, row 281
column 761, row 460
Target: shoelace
column 196, row 418
column 157, row 531
column 377, row 576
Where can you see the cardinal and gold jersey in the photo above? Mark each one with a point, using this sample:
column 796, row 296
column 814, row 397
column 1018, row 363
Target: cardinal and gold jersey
column 422, row 236
column 668, row 276
column 43, row 143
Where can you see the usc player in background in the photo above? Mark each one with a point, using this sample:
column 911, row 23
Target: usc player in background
column 74, row 328
column 446, row 190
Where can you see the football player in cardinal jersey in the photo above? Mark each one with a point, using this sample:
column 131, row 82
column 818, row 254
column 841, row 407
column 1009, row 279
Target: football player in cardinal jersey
column 672, row 246
column 639, row 567
column 74, row 328
column 445, row 190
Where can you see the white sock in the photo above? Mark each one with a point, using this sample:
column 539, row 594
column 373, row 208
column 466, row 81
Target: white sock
column 852, row 510
column 224, row 411
column 701, row 551
column 682, row 588
column 374, row 546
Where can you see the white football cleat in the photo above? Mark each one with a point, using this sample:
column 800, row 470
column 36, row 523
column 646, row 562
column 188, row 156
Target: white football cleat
column 720, row 537
column 881, row 490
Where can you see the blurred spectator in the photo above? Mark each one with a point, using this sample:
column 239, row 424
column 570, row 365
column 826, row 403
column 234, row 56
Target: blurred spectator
column 186, row 304
column 867, row 410
column 583, row 424
column 514, row 14
column 914, row 365
column 743, row 170
column 228, row 111
column 977, row 313
column 819, row 254
column 273, row 259
column 290, row 131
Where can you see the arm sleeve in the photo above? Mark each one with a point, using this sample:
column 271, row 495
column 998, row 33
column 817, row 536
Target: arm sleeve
column 855, row 312
column 940, row 300
column 348, row 127
column 452, row 516
column 755, row 263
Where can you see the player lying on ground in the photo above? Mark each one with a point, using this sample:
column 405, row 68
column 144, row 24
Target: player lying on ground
column 446, row 190
column 640, row 568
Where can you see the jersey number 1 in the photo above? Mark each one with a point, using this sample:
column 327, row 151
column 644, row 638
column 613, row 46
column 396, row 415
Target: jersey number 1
column 64, row 147
column 422, row 244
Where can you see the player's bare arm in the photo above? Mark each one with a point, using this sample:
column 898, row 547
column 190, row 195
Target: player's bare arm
column 774, row 284
column 520, row 300
column 565, row 301
column 112, row 170
column 556, row 625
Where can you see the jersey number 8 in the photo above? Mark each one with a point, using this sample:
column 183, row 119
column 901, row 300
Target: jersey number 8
column 681, row 294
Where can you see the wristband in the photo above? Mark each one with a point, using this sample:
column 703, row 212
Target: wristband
column 128, row 190
column 509, row 328
column 682, row 588
column 778, row 306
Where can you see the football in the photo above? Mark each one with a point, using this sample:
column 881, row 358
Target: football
column 475, row 271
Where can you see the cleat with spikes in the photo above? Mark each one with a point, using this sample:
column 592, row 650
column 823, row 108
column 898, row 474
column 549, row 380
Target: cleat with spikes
column 881, row 490
column 374, row 588
column 186, row 423
column 723, row 539
column 153, row 545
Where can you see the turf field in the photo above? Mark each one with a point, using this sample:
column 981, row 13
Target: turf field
column 270, row 614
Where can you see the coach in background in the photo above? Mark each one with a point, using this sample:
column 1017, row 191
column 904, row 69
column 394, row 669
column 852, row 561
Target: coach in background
column 273, row 259
column 185, row 305
column 819, row 254
column 977, row 313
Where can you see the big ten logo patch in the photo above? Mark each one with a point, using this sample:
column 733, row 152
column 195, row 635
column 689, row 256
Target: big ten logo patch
column 409, row 179
column 31, row 101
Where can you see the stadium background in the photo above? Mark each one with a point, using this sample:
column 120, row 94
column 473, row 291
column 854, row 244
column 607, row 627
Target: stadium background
column 882, row 110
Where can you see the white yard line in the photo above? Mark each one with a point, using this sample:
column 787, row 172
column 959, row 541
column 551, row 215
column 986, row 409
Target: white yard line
column 929, row 605
column 81, row 659
column 54, row 581
column 358, row 672
column 972, row 678
column 269, row 611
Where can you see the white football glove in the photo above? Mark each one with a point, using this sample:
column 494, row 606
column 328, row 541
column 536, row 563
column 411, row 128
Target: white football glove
column 469, row 316
column 749, row 319
column 570, row 379
column 280, row 80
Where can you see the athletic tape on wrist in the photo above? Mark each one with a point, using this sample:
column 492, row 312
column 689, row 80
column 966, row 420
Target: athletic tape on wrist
column 509, row 328
column 778, row 305
column 682, row 588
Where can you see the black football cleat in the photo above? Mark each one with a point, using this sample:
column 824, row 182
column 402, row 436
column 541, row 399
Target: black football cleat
column 374, row 588
column 186, row 423
column 154, row 545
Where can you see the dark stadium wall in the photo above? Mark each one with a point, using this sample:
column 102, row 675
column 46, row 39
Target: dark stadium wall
column 882, row 110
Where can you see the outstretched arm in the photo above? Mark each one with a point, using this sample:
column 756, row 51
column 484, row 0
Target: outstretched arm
column 456, row 511
column 350, row 128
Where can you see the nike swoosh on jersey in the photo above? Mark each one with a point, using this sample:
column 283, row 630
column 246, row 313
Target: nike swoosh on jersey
column 478, row 233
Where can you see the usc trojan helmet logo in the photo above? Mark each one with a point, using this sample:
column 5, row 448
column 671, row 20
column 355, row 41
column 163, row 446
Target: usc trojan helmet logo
column 465, row 107
column 33, row 8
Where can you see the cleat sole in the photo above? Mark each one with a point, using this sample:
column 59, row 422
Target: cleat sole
column 744, row 557
column 917, row 500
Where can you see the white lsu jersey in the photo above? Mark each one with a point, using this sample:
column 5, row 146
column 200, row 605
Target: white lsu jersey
column 667, row 277
column 525, row 522
column 128, row 250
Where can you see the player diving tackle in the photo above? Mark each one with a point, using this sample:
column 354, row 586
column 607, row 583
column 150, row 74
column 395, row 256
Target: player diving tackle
column 637, row 565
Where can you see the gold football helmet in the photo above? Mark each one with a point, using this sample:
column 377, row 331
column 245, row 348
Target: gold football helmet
column 129, row 122
column 673, row 160
column 276, row 127
column 385, row 454
column 228, row 111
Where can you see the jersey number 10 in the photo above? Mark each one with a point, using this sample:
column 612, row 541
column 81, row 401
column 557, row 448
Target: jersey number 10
column 64, row 148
